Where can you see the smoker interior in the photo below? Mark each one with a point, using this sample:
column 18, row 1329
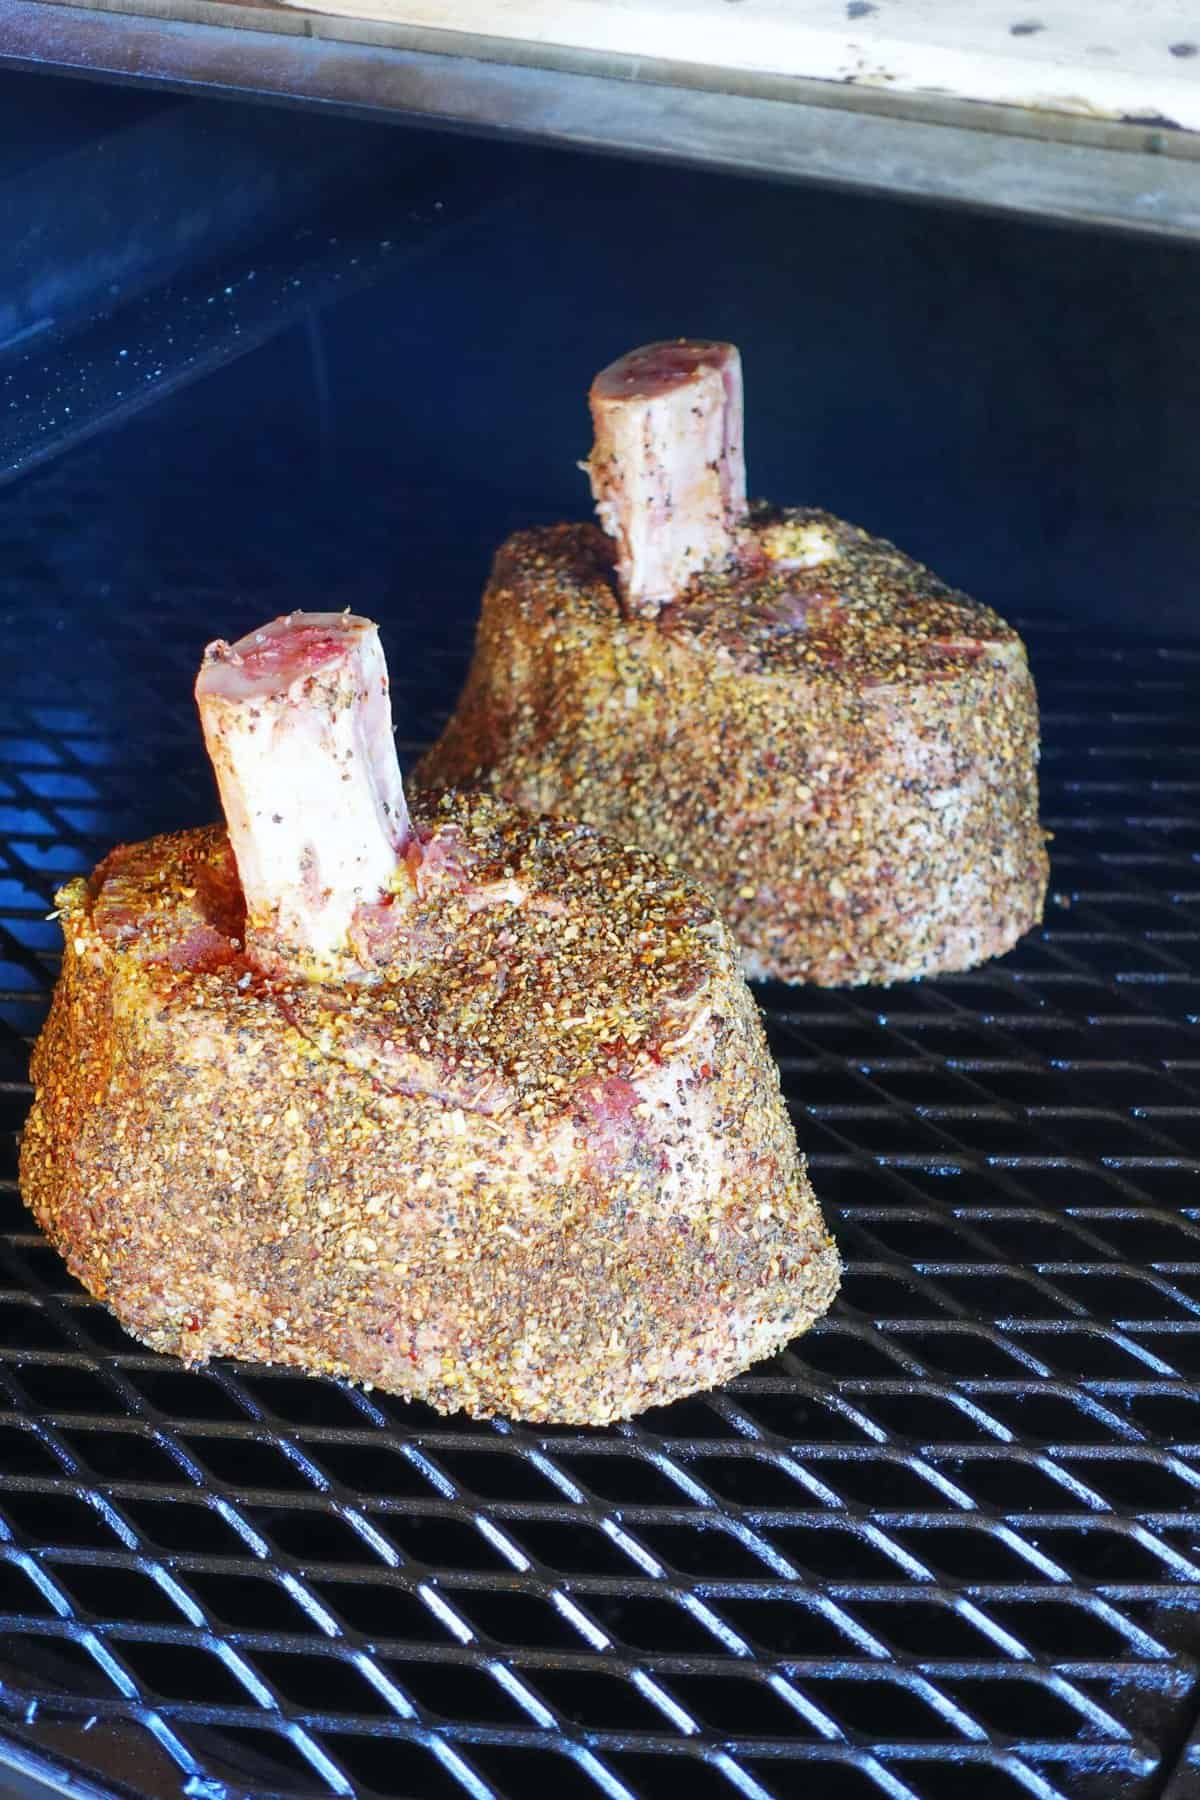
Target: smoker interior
column 948, row 1541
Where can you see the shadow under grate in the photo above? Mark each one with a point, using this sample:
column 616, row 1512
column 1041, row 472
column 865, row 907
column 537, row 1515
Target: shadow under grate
column 952, row 1535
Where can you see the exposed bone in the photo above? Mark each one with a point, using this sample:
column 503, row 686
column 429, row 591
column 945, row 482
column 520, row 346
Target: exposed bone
column 667, row 468
column 298, row 725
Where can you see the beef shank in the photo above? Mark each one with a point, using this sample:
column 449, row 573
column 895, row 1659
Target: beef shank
column 467, row 1104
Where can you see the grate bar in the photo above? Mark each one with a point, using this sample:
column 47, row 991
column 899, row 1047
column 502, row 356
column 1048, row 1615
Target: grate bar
column 950, row 1535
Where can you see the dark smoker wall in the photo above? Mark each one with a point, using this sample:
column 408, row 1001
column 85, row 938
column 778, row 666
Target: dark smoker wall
column 1016, row 404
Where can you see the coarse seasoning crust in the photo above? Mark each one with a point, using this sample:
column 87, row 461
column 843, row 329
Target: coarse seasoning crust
column 840, row 748
column 539, row 1166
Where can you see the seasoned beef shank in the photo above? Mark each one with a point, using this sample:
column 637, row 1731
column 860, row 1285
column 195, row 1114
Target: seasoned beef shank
column 839, row 747
column 472, row 1106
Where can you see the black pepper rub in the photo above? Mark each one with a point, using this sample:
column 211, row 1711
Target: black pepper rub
column 540, row 1165
column 837, row 746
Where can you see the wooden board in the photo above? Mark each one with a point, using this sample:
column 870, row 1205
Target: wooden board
column 1056, row 144
column 1104, row 59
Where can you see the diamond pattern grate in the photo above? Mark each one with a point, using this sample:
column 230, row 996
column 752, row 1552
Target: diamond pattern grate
column 951, row 1535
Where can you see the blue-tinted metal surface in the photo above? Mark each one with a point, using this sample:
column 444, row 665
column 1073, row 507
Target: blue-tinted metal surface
column 952, row 1530
column 946, row 1542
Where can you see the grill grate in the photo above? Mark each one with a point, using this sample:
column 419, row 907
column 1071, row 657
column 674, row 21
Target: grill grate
column 951, row 1535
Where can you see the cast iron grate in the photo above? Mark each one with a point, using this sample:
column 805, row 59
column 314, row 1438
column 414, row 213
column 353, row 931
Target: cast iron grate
column 950, row 1536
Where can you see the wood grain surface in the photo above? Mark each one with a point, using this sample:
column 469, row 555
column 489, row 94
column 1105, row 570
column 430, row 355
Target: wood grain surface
column 1099, row 58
